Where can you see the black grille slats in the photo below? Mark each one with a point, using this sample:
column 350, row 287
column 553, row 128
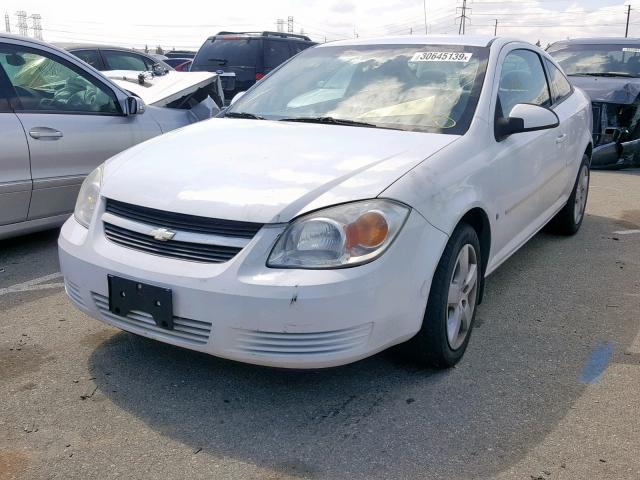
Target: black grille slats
column 183, row 222
column 196, row 252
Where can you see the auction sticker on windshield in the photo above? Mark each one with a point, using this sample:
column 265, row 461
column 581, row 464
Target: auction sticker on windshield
column 634, row 50
column 441, row 57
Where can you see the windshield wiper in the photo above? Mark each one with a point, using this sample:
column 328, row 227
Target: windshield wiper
column 243, row 115
column 221, row 61
column 603, row 74
column 329, row 120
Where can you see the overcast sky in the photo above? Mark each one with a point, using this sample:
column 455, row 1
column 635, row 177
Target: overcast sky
column 187, row 23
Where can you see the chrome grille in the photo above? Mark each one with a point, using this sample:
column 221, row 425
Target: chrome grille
column 183, row 222
column 195, row 252
column 185, row 330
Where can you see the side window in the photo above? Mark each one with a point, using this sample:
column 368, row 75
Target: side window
column 560, row 86
column 149, row 62
column 92, row 57
column 44, row 83
column 115, row 60
column 522, row 81
column 275, row 53
column 297, row 47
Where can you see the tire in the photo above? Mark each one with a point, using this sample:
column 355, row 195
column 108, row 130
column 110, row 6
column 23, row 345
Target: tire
column 568, row 220
column 435, row 345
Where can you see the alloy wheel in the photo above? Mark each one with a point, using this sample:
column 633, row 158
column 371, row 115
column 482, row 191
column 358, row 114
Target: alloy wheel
column 582, row 188
column 461, row 300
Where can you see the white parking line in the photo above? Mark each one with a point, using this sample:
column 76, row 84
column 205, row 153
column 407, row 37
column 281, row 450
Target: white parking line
column 626, row 232
column 34, row 285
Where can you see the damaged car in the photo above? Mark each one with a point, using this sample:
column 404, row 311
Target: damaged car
column 60, row 118
column 608, row 70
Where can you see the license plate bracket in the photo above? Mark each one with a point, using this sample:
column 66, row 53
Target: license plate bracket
column 127, row 295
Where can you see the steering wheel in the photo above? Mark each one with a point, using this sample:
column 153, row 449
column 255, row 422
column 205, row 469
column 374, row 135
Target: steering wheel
column 76, row 93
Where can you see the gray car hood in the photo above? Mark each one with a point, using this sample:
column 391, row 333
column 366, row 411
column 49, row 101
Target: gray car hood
column 619, row 90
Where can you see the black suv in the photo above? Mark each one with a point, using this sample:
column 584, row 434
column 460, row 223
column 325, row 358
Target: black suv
column 250, row 55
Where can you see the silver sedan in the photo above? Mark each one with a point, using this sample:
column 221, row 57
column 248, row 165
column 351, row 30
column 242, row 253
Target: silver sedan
column 59, row 119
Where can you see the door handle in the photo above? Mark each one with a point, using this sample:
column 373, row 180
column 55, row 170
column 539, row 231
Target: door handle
column 561, row 138
column 40, row 133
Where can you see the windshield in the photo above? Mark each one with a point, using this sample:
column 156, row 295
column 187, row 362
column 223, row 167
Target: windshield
column 227, row 52
column 616, row 60
column 431, row 88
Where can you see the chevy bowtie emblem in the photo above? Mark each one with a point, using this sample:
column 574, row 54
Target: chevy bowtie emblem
column 162, row 234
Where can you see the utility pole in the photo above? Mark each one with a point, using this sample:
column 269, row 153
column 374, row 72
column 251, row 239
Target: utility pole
column 495, row 29
column 7, row 23
column 626, row 32
column 280, row 24
column 410, row 30
column 22, row 23
column 37, row 25
column 290, row 25
column 463, row 17
column 426, row 27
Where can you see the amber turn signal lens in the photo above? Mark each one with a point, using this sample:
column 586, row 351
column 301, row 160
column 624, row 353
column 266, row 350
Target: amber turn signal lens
column 369, row 230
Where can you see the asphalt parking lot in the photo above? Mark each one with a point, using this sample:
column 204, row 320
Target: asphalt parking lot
column 548, row 388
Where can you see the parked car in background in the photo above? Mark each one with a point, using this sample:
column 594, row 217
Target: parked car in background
column 103, row 57
column 197, row 94
column 59, row 119
column 608, row 69
column 248, row 55
column 180, row 64
column 180, row 54
column 354, row 199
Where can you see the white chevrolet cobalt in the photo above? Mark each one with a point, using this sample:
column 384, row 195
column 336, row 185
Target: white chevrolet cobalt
column 354, row 199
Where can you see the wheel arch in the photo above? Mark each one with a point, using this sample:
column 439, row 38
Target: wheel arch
column 478, row 219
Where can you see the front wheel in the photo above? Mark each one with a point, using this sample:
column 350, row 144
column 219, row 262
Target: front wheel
column 568, row 220
column 451, row 308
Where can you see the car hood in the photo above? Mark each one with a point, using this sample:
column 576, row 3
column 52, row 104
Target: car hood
column 264, row 171
column 163, row 89
column 617, row 90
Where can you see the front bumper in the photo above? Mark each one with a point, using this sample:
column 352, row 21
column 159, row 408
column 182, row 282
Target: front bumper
column 242, row 310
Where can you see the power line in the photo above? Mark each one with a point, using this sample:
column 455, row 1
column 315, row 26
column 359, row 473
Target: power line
column 426, row 26
column 22, row 23
column 37, row 25
column 463, row 17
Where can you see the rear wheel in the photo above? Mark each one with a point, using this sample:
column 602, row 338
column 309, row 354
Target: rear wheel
column 451, row 308
column 568, row 220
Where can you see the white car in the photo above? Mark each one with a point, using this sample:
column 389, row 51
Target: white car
column 312, row 229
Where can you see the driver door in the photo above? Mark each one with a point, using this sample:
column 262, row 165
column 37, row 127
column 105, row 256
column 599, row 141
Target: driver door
column 72, row 123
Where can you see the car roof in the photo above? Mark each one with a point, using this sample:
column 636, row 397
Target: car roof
column 469, row 40
column 85, row 46
column 599, row 41
column 21, row 38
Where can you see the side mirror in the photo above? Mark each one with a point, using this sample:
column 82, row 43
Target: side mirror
column 237, row 97
column 134, row 106
column 525, row 117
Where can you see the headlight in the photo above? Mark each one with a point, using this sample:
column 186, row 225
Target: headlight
column 88, row 197
column 341, row 236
